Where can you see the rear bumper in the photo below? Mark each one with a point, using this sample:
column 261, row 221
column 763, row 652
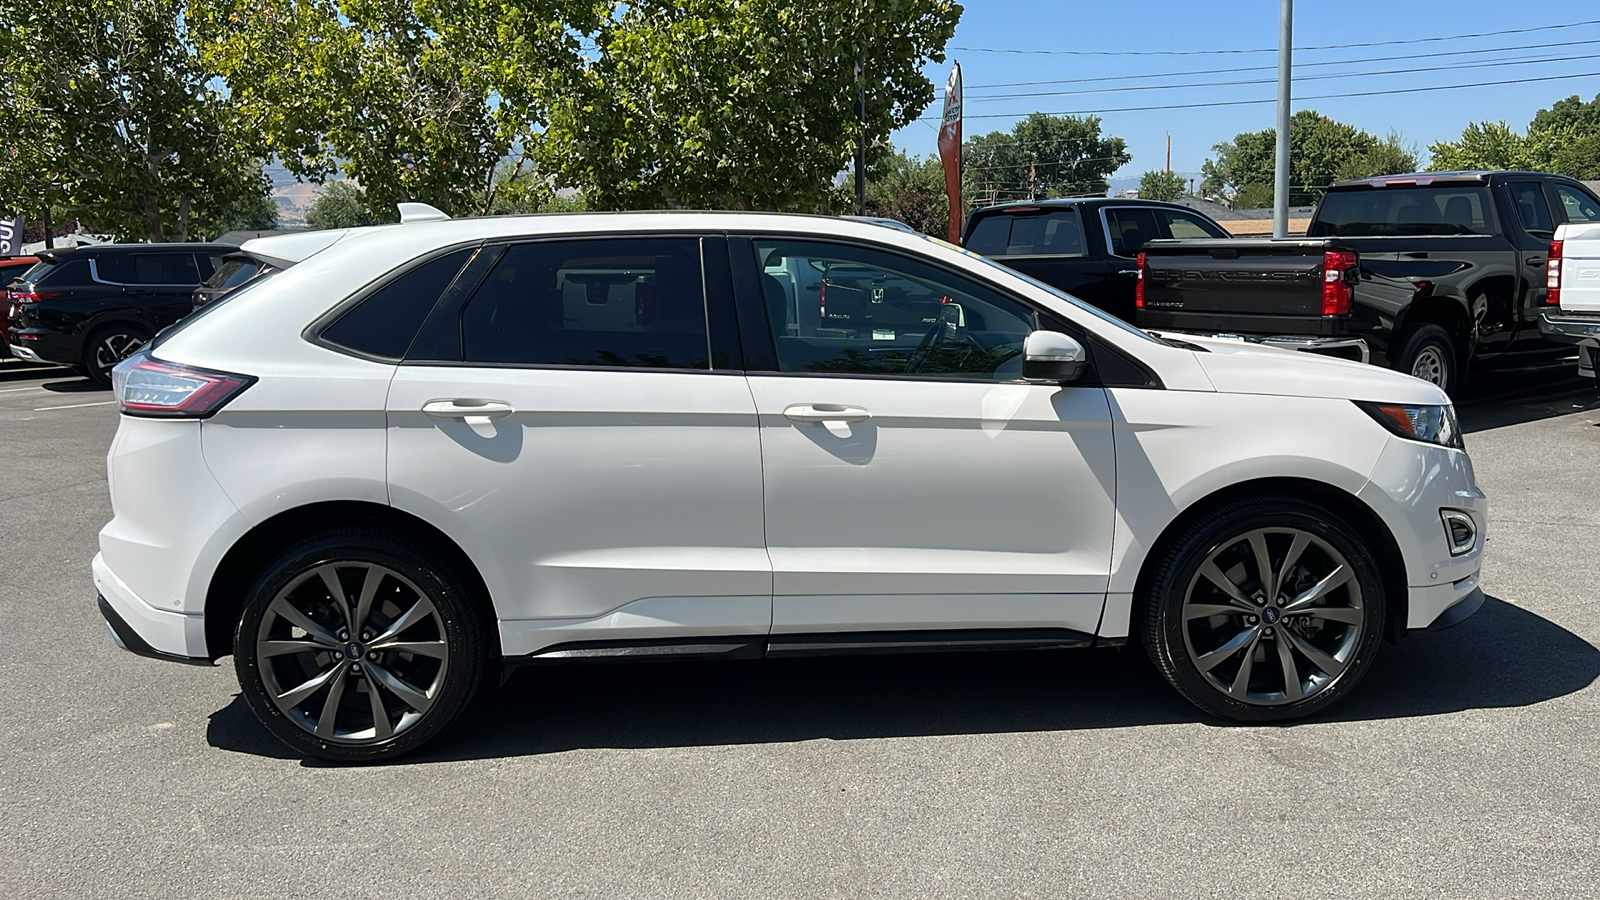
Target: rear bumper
column 1569, row 329
column 40, row 345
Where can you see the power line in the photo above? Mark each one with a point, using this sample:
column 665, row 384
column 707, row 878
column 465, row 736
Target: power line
column 1408, row 41
column 1322, row 77
column 1273, row 67
column 1420, row 90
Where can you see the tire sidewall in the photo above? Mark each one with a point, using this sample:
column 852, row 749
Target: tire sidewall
column 1183, row 565
column 1420, row 336
column 444, row 589
column 96, row 338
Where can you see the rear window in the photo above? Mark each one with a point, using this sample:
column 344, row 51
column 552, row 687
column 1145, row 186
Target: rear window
column 1381, row 212
column 1030, row 233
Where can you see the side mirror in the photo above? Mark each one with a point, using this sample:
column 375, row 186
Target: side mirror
column 1050, row 356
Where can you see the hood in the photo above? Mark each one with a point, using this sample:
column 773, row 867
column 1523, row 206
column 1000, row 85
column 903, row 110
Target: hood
column 1237, row 367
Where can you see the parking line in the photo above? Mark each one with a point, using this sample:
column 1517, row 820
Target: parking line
column 73, row 406
column 19, row 390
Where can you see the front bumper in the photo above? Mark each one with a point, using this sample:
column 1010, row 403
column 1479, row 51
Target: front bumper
column 128, row 639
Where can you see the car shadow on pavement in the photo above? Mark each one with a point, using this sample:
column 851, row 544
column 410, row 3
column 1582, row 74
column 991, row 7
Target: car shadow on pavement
column 76, row 386
column 1502, row 657
column 1524, row 397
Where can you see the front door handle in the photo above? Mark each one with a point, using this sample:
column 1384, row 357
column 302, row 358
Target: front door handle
column 467, row 409
column 826, row 412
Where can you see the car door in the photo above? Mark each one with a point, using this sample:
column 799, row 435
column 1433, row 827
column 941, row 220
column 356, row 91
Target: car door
column 913, row 481
column 563, row 420
column 160, row 284
column 1530, row 229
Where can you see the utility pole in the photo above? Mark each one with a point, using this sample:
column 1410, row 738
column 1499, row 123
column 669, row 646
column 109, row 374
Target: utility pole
column 1169, row 153
column 1280, row 192
column 861, row 136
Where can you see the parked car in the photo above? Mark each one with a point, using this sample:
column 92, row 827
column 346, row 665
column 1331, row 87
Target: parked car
column 1425, row 273
column 429, row 451
column 238, row 268
column 1572, row 280
column 1086, row 247
column 90, row 307
column 11, row 268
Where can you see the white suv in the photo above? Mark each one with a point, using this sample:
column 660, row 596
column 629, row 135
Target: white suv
column 426, row 451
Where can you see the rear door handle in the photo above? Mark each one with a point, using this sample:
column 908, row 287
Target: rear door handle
column 467, row 409
column 1127, row 271
column 1536, row 261
column 825, row 412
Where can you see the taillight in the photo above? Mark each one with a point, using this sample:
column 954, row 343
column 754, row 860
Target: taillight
column 1138, row 286
column 153, row 389
column 1335, row 283
column 26, row 296
column 1552, row 275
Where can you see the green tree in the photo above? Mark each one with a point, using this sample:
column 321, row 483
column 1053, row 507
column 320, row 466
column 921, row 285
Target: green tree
column 122, row 121
column 1321, row 150
column 1492, row 145
column 1564, row 138
column 746, row 104
column 1159, row 185
column 343, row 204
column 252, row 211
column 1053, row 156
column 905, row 187
column 414, row 99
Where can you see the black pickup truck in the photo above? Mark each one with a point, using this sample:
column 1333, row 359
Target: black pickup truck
column 1426, row 273
column 1084, row 246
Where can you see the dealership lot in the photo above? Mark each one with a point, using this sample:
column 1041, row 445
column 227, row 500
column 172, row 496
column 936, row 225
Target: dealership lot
column 1464, row 766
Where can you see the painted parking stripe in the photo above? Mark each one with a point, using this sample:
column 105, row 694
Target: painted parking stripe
column 19, row 390
column 74, row 405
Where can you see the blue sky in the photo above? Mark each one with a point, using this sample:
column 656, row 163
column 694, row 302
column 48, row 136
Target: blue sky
column 1167, row 25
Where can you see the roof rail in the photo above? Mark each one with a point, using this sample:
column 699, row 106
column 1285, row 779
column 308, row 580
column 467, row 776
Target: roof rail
column 419, row 212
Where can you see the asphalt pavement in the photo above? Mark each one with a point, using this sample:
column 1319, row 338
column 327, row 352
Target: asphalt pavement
column 1465, row 766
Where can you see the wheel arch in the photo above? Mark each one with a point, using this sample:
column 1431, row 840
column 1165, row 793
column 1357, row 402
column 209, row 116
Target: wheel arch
column 240, row 565
column 1361, row 518
column 1450, row 312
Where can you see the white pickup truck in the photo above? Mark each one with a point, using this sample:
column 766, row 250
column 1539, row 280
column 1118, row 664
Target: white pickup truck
column 1573, row 280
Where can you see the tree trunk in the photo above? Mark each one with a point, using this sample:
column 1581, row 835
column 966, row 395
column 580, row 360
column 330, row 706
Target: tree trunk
column 155, row 233
column 183, row 219
column 49, row 239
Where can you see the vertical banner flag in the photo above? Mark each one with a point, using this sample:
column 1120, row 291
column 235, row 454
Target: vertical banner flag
column 11, row 236
column 950, row 151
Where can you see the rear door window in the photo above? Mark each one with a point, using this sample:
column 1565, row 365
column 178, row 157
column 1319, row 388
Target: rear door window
column 1187, row 225
column 1129, row 227
column 160, row 269
column 1057, row 232
column 603, row 303
column 1532, row 210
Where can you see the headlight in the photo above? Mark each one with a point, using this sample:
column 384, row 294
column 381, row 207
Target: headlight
column 1429, row 424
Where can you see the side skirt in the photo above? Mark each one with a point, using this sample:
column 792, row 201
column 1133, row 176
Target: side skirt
column 825, row 644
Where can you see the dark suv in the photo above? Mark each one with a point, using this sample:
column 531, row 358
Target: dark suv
column 91, row 307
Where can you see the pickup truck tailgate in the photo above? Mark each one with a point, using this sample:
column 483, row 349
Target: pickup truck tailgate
column 1212, row 277
column 1580, row 268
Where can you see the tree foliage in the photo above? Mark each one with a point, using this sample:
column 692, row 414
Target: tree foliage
column 1042, row 155
column 120, row 119
column 910, row 189
column 746, row 104
column 342, row 204
column 1564, row 139
column 1157, row 184
column 414, row 99
column 1321, row 150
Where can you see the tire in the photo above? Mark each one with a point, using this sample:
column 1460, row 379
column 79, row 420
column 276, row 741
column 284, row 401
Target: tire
column 1427, row 352
column 1328, row 642
column 108, row 345
column 417, row 601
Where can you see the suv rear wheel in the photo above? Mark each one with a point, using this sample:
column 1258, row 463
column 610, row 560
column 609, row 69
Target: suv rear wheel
column 358, row 647
column 110, row 345
column 1264, row 610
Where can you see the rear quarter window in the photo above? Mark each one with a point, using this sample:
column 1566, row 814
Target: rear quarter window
column 385, row 323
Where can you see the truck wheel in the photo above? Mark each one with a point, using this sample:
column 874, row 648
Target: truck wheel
column 1426, row 352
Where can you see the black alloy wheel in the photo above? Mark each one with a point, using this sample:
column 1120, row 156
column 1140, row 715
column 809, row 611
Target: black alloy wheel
column 110, row 345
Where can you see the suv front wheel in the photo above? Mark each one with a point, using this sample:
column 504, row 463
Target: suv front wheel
column 1264, row 610
column 357, row 647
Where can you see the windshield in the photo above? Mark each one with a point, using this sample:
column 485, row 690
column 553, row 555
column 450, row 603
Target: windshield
column 1100, row 314
column 1382, row 212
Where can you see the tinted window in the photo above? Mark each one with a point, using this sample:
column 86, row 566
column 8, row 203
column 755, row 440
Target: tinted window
column 1183, row 225
column 70, row 273
column 234, row 272
column 158, row 269
column 1446, row 209
column 1532, row 210
column 1578, row 206
column 637, row 302
column 385, row 323
column 1129, row 227
column 1053, row 232
column 856, row 311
